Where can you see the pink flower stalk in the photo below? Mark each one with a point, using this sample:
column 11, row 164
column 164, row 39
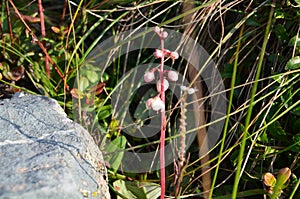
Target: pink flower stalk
column 163, row 122
column 158, row 103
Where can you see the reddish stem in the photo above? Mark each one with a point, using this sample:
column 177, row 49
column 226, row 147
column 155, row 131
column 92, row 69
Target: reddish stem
column 64, row 11
column 9, row 23
column 43, row 31
column 163, row 125
column 35, row 38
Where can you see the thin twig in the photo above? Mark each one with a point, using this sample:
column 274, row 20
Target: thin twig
column 63, row 15
column 43, row 31
column 9, row 23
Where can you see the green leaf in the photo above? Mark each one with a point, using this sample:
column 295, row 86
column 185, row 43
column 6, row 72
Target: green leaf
column 276, row 131
column 281, row 32
column 293, row 40
column 227, row 73
column 83, row 84
column 233, row 158
column 252, row 22
column 151, row 190
column 104, row 112
column 296, row 110
column 263, row 137
column 283, row 176
column 268, row 150
column 293, row 63
column 279, row 14
column 114, row 152
column 296, row 143
column 139, row 190
column 92, row 76
column 120, row 187
column 294, row 123
column 286, row 98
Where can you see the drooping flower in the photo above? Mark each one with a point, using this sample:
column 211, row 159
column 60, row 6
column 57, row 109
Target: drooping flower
column 149, row 76
column 157, row 104
column 158, row 53
column 164, row 35
column 172, row 76
column 149, row 103
column 157, row 29
column 158, row 85
column 160, row 32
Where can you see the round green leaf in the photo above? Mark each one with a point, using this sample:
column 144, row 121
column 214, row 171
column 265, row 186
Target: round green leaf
column 293, row 63
column 295, row 40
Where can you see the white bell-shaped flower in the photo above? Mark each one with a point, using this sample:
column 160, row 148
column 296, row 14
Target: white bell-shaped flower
column 157, row 104
column 149, row 76
column 158, row 53
column 149, row 103
column 158, row 85
column 172, row 76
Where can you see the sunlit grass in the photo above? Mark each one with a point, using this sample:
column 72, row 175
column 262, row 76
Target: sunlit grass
column 261, row 129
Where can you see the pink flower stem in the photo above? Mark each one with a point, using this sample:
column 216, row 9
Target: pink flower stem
column 163, row 125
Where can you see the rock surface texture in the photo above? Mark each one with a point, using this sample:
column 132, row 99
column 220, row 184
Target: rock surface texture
column 43, row 154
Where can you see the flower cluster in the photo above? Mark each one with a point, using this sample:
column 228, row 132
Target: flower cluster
column 156, row 103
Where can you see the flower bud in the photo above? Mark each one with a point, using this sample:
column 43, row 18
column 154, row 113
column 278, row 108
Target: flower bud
column 283, row 175
column 158, row 53
column 149, row 76
column 157, row 104
column 269, row 179
column 158, row 85
column 173, row 76
column 191, row 91
column 183, row 88
column 157, row 30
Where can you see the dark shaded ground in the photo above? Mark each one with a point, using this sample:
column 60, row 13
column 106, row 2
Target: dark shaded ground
column 5, row 91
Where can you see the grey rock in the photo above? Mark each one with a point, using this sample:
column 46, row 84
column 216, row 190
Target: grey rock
column 43, row 154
